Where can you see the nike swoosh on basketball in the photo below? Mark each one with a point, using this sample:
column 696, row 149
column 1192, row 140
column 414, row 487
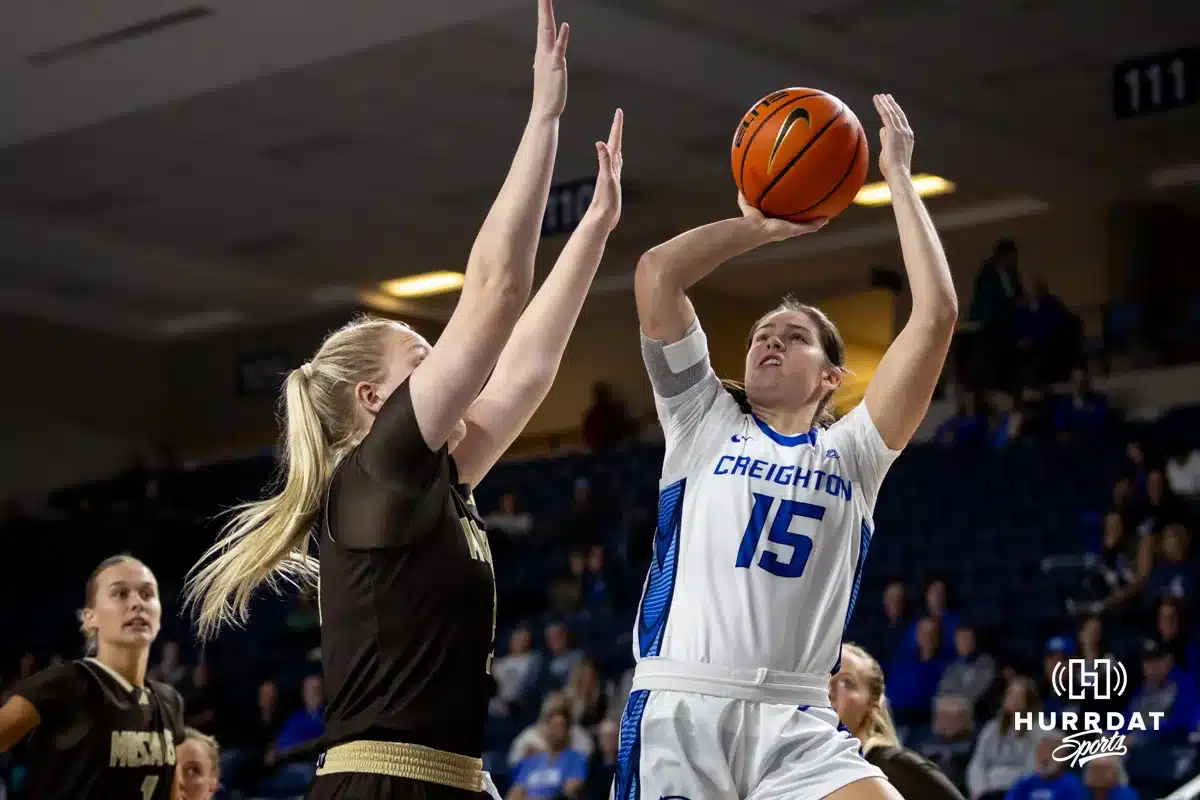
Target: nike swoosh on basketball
column 793, row 117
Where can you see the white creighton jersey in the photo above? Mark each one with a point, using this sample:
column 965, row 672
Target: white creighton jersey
column 761, row 537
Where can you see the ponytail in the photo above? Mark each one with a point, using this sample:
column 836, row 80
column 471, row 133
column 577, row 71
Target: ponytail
column 266, row 540
column 880, row 730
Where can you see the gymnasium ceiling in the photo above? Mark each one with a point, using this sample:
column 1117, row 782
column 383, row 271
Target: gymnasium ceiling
column 224, row 162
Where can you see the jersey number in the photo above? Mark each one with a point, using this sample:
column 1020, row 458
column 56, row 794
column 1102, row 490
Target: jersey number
column 789, row 566
column 148, row 787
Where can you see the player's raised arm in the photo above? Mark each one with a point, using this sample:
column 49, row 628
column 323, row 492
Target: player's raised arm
column 530, row 361
column 667, row 271
column 899, row 393
column 499, row 271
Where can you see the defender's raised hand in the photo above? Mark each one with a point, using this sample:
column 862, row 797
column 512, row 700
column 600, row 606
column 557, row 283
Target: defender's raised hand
column 550, row 63
column 895, row 139
column 606, row 202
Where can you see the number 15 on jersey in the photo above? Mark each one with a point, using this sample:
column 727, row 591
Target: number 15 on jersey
column 782, row 564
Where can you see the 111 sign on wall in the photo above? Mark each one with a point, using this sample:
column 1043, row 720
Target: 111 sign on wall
column 1156, row 83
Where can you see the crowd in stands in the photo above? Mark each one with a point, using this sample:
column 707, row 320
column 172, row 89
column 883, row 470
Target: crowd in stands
column 572, row 538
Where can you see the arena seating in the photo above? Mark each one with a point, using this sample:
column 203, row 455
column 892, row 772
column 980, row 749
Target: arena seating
column 982, row 521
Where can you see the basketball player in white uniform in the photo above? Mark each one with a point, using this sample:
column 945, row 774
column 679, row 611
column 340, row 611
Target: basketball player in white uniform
column 765, row 519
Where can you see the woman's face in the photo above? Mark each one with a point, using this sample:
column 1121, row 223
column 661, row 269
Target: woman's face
column 849, row 694
column 195, row 771
column 1016, row 698
column 126, row 610
column 786, row 364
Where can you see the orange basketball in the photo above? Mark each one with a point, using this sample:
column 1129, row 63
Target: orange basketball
column 799, row 154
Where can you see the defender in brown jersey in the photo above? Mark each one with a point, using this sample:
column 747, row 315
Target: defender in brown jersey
column 385, row 436
column 97, row 728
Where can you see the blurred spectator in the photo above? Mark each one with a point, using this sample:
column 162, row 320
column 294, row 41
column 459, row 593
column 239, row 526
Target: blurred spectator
column 937, row 608
column 994, row 302
column 1161, row 508
column 567, row 590
column 1092, row 646
column 950, row 742
column 1173, row 574
column 587, row 700
column 508, row 520
column 599, row 584
column 1165, row 690
column 1003, row 755
column 1124, row 501
column 533, row 739
column 1082, row 411
column 912, row 683
column 1050, row 780
column 1105, row 779
column 199, row 701
column 602, row 767
column 243, row 763
column 971, row 673
column 1116, row 576
column 562, row 657
column 606, row 422
column 1091, row 641
column 1048, row 335
column 585, row 523
column 895, row 614
column 554, row 772
column 1059, row 650
column 1169, row 629
column 1020, row 421
column 171, row 668
column 1137, row 463
column 516, row 674
column 968, row 428
column 293, row 755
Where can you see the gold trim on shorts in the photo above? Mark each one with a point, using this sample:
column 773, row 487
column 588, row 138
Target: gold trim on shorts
column 399, row 760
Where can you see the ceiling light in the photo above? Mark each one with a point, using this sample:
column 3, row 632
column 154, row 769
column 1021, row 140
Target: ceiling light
column 878, row 194
column 424, row 285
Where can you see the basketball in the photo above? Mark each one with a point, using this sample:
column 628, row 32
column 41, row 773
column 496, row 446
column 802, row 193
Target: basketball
column 799, row 154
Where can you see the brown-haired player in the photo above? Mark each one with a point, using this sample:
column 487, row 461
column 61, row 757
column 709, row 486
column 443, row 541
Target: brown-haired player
column 96, row 726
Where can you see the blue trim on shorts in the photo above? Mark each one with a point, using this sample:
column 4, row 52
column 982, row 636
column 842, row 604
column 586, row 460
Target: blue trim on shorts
column 626, row 783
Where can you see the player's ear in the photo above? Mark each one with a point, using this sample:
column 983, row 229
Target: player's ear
column 831, row 378
column 87, row 622
column 368, row 396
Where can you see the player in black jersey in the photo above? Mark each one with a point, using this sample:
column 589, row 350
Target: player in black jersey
column 407, row 589
column 97, row 728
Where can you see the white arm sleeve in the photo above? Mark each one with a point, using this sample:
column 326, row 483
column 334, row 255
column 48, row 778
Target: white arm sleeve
column 685, row 386
column 858, row 441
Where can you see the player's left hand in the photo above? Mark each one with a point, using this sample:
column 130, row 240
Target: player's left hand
column 606, row 201
column 895, row 139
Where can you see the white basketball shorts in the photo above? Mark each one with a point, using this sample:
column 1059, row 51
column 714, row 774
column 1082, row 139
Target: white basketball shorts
column 686, row 746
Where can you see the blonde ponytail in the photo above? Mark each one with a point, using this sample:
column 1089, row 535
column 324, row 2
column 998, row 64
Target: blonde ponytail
column 266, row 542
column 881, row 731
column 878, row 728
